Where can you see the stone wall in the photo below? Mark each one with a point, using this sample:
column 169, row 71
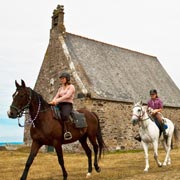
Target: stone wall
column 115, row 118
column 114, row 121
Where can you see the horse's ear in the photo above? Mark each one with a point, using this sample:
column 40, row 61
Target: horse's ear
column 141, row 103
column 16, row 83
column 23, row 83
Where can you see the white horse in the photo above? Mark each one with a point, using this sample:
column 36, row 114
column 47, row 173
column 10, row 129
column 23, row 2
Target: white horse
column 150, row 133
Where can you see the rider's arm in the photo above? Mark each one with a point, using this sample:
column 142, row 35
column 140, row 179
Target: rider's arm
column 67, row 96
column 53, row 102
column 160, row 107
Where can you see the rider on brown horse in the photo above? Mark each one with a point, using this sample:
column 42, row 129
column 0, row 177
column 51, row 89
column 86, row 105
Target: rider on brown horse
column 64, row 100
column 46, row 130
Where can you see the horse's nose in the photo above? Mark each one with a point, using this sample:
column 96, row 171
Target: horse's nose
column 133, row 121
column 11, row 114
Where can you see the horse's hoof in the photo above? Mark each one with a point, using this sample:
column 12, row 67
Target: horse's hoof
column 164, row 164
column 159, row 164
column 88, row 175
column 98, row 169
column 146, row 169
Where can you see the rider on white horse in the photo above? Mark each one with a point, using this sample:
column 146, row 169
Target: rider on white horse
column 149, row 133
column 156, row 105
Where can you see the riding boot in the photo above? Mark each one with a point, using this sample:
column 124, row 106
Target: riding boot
column 67, row 134
column 164, row 131
column 161, row 122
column 138, row 137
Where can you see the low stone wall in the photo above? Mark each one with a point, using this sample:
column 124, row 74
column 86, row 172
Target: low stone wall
column 115, row 123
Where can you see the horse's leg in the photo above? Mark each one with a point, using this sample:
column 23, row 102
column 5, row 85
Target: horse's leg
column 145, row 147
column 61, row 161
column 155, row 145
column 95, row 148
column 167, row 147
column 88, row 153
column 34, row 150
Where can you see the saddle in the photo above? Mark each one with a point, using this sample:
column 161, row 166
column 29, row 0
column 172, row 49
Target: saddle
column 78, row 119
column 75, row 117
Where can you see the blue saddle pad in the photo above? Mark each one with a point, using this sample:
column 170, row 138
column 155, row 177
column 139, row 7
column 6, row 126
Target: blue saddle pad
column 165, row 126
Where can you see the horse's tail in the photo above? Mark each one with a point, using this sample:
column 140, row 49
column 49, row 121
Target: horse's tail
column 102, row 145
column 176, row 133
column 176, row 136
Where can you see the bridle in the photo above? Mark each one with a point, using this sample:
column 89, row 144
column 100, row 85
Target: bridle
column 21, row 111
column 140, row 117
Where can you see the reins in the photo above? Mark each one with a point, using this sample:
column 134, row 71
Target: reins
column 31, row 121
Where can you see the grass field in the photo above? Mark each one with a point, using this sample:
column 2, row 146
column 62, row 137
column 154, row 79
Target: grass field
column 115, row 166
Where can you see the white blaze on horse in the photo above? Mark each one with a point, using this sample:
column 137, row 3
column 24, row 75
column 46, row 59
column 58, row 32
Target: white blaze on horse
column 150, row 133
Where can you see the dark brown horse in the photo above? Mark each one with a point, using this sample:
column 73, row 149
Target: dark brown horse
column 45, row 130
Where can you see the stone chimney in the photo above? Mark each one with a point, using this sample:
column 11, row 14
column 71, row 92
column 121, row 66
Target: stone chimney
column 58, row 20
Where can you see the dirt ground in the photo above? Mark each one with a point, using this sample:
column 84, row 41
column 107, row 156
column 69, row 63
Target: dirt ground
column 114, row 166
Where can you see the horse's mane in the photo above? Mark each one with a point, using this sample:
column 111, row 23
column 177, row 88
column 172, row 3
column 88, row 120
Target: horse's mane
column 44, row 103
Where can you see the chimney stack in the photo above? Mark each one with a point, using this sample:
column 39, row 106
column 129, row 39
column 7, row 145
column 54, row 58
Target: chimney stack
column 58, row 20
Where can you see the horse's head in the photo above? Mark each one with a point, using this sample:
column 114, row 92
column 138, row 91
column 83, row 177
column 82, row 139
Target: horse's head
column 138, row 113
column 21, row 100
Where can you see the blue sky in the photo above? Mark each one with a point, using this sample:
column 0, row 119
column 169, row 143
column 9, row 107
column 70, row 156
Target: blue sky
column 151, row 27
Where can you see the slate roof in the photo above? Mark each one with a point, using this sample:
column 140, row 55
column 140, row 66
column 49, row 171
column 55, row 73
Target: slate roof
column 119, row 74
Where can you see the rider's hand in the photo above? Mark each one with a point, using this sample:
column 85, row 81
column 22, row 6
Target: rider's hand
column 53, row 103
column 154, row 111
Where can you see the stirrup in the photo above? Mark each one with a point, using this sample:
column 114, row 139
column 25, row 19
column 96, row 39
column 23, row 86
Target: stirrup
column 67, row 135
column 138, row 137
